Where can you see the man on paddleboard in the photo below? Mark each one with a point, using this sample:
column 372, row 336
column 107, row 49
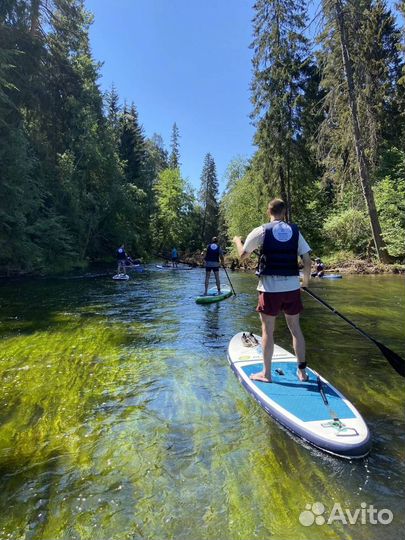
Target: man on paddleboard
column 280, row 244
column 212, row 257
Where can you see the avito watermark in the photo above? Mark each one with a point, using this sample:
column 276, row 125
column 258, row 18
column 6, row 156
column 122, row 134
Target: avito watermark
column 315, row 513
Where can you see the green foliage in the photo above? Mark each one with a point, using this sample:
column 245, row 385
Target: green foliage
column 338, row 258
column 390, row 200
column 174, row 222
column 244, row 206
column 306, row 149
column 348, row 230
column 78, row 176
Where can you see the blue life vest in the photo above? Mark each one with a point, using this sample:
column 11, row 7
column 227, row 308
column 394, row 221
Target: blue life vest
column 278, row 256
column 212, row 254
column 121, row 255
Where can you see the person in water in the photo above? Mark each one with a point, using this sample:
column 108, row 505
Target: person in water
column 279, row 284
column 213, row 255
column 319, row 268
column 121, row 260
column 175, row 257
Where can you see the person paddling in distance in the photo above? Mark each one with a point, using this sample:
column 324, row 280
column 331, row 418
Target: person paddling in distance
column 279, row 284
column 121, row 260
column 213, row 255
column 175, row 257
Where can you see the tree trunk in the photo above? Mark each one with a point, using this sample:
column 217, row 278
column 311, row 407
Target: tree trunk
column 35, row 4
column 358, row 140
column 283, row 190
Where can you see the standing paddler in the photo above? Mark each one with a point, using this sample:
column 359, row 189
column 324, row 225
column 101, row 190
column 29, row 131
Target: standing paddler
column 213, row 256
column 121, row 260
column 175, row 257
column 280, row 245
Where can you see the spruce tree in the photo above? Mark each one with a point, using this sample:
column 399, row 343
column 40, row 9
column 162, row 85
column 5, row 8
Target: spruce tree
column 132, row 147
column 113, row 110
column 174, row 159
column 209, row 200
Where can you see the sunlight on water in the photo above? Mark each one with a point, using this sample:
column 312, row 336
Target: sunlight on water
column 120, row 417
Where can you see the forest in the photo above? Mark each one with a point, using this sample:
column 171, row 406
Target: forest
column 78, row 176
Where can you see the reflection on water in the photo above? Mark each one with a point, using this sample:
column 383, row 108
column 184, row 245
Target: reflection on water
column 120, row 417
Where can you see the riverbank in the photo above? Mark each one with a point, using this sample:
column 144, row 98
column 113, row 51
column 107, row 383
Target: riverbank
column 333, row 264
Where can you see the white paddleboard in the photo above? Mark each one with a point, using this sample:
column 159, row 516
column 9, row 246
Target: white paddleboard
column 121, row 277
column 336, row 427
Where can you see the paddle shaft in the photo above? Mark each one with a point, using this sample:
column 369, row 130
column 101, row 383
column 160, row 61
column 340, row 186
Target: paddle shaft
column 321, row 391
column 393, row 358
column 230, row 282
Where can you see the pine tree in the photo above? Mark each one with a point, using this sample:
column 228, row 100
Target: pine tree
column 209, row 200
column 174, row 159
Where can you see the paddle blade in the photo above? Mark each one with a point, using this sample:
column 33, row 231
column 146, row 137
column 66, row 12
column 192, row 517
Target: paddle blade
column 396, row 361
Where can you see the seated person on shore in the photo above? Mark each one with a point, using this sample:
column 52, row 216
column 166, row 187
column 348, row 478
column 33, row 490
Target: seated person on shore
column 212, row 257
column 319, row 268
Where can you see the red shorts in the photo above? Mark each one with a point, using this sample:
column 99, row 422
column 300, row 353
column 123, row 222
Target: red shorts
column 272, row 303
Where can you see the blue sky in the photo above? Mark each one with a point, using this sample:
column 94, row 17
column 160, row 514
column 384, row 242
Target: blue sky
column 183, row 61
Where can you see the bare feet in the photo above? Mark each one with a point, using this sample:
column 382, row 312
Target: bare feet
column 302, row 375
column 260, row 376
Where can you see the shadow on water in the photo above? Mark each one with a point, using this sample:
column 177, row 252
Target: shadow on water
column 120, row 417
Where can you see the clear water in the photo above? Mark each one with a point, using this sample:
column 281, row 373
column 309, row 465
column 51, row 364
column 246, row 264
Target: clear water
column 121, row 419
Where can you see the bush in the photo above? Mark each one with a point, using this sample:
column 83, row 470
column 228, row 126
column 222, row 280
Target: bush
column 348, row 231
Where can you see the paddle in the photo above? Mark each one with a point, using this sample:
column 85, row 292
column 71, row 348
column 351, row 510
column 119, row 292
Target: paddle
column 393, row 358
column 230, row 282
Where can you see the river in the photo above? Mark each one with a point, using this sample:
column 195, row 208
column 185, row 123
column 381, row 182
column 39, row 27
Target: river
column 120, row 417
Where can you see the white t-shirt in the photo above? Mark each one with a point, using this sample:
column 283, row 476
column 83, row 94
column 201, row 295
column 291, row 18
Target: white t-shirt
column 282, row 232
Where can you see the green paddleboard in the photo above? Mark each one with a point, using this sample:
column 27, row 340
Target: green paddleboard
column 213, row 295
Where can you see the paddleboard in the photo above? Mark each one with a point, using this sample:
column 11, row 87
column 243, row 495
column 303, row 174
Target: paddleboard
column 336, row 427
column 331, row 276
column 213, row 295
column 121, row 277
